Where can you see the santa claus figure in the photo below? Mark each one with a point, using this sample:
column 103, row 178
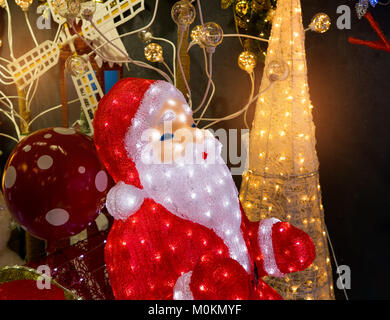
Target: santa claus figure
column 179, row 230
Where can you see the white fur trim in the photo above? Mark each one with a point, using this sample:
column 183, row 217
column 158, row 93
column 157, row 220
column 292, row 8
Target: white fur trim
column 123, row 200
column 152, row 101
column 181, row 290
column 267, row 248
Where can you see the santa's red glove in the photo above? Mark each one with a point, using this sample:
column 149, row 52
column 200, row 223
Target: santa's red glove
column 279, row 248
column 215, row 278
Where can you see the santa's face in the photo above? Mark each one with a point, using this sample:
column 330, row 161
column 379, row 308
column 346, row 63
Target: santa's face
column 172, row 130
column 188, row 176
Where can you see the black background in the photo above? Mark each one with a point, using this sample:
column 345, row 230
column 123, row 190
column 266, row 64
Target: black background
column 349, row 88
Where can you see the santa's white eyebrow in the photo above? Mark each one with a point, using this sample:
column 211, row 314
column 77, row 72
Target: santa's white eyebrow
column 168, row 115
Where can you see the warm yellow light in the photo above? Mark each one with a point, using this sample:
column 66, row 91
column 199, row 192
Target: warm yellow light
column 247, row 61
column 153, row 52
column 24, row 4
column 283, row 159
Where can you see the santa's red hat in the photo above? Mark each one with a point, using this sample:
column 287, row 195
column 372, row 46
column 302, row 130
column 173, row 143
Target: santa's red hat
column 123, row 114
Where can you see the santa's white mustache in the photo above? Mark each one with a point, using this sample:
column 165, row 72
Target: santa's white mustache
column 185, row 147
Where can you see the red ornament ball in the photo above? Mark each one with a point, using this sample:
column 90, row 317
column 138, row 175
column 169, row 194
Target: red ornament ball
column 28, row 290
column 54, row 184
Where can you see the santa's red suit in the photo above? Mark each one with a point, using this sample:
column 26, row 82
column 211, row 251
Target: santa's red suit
column 179, row 230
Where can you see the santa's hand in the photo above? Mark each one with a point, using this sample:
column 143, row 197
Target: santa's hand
column 284, row 248
column 123, row 200
column 214, row 278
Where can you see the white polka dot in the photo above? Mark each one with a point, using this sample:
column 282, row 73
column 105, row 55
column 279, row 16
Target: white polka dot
column 45, row 162
column 57, row 217
column 65, row 131
column 82, row 169
column 47, row 136
column 10, row 177
column 27, row 148
column 101, row 181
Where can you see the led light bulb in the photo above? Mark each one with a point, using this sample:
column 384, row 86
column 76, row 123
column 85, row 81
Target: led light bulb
column 277, row 70
column 212, row 35
column 24, row 4
column 76, row 65
column 153, row 52
column 247, row 61
column 145, row 35
column 68, row 9
column 320, row 23
column 87, row 9
column 196, row 34
column 183, row 13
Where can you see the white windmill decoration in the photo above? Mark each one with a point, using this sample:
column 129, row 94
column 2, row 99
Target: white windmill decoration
column 96, row 31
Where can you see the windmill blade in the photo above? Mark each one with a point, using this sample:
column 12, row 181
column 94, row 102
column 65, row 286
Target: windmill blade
column 89, row 92
column 111, row 15
column 34, row 63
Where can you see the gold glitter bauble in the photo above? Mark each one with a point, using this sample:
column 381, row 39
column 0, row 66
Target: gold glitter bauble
column 247, row 61
column 153, row 52
column 320, row 23
column 196, row 33
column 242, row 7
column 24, row 4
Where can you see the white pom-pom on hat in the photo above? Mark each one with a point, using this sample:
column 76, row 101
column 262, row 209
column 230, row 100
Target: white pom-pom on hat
column 123, row 200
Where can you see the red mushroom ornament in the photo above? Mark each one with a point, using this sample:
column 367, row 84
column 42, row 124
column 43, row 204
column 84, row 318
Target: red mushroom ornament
column 54, row 184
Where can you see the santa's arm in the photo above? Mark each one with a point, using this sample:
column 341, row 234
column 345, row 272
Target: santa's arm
column 276, row 247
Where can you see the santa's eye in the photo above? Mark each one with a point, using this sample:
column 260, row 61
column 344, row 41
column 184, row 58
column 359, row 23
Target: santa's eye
column 168, row 116
column 193, row 125
column 166, row 136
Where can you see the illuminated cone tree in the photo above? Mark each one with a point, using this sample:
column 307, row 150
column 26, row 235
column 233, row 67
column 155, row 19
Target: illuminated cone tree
column 282, row 180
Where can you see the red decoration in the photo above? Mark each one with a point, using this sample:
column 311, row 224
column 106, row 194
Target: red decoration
column 54, row 183
column 28, row 290
column 381, row 44
column 148, row 252
column 81, row 268
column 112, row 122
column 152, row 248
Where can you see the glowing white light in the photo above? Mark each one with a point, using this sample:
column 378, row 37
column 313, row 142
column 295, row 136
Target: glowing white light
column 182, row 117
column 171, row 102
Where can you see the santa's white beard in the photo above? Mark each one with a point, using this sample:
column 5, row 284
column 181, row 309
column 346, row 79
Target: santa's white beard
column 203, row 192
